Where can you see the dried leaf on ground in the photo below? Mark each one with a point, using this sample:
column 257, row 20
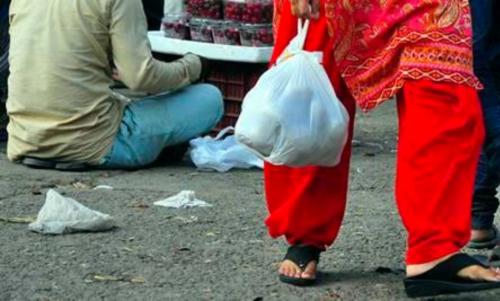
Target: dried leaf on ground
column 107, row 278
column 186, row 220
column 36, row 190
column 128, row 249
column 137, row 280
column 80, row 185
column 18, row 219
column 139, row 205
column 114, row 278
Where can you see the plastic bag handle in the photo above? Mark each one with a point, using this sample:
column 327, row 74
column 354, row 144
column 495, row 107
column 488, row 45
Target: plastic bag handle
column 223, row 132
column 297, row 43
column 302, row 30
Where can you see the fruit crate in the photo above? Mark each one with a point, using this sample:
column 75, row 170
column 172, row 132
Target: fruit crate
column 234, row 80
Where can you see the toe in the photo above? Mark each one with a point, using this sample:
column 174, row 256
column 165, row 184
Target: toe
column 290, row 269
column 310, row 271
column 496, row 271
column 285, row 270
column 479, row 273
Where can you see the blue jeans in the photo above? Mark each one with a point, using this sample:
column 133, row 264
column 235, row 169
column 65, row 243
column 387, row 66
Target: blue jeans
column 486, row 24
column 152, row 124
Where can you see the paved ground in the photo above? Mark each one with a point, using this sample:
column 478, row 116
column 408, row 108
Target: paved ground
column 219, row 253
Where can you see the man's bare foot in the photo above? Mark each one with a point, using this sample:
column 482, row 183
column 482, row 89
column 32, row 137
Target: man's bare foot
column 290, row 269
column 477, row 273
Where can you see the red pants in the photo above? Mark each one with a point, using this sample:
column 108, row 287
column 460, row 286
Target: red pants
column 440, row 138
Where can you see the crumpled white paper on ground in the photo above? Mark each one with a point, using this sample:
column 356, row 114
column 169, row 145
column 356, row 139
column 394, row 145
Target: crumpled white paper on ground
column 184, row 199
column 60, row 215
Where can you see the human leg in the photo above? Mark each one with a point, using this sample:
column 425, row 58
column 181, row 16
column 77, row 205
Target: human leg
column 306, row 205
column 154, row 123
column 440, row 137
column 486, row 48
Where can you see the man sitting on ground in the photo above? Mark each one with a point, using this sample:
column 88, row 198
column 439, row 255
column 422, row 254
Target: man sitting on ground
column 62, row 111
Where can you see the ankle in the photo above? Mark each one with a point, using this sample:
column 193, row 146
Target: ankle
column 419, row 269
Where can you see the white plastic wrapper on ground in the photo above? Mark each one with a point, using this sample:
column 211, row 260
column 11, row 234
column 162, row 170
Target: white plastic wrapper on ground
column 222, row 155
column 184, row 199
column 61, row 215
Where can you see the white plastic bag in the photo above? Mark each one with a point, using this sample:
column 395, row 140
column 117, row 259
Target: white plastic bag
column 219, row 154
column 292, row 116
column 61, row 215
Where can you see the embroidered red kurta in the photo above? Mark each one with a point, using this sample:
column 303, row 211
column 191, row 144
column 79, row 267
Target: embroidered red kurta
column 378, row 44
column 426, row 46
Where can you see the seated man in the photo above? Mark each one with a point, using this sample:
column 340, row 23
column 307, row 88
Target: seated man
column 62, row 110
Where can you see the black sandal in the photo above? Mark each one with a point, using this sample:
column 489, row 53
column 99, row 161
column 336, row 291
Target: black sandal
column 50, row 164
column 443, row 279
column 488, row 243
column 301, row 256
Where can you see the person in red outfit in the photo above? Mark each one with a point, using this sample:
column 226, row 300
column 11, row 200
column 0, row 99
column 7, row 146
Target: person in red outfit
column 419, row 51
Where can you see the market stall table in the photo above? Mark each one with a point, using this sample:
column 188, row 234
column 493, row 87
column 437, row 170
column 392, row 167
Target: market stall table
column 234, row 69
column 217, row 52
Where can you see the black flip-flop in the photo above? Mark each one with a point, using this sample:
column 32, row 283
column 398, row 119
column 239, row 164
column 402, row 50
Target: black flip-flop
column 443, row 279
column 301, row 256
column 488, row 243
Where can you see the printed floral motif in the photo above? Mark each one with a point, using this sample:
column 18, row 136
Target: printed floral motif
column 378, row 44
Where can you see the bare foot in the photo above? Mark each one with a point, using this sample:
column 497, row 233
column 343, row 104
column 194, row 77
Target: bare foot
column 479, row 273
column 290, row 269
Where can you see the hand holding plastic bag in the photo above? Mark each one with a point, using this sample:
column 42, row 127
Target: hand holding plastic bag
column 292, row 116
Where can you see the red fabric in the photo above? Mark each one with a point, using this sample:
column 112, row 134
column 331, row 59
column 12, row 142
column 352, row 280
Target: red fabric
column 310, row 199
column 379, row 44
column 440, row 139
column 441, row 134
column 307, row 204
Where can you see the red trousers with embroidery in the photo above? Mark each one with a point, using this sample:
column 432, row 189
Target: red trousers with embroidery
column 440, row 137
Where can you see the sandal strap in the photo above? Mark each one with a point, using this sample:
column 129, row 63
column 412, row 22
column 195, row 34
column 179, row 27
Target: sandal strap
column 51, row 164
column 493, row 236
column 302, row 255
column 495, row 254
column 448, row 270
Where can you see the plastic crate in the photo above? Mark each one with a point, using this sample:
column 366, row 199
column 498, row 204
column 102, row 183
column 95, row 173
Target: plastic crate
column 235, row 80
